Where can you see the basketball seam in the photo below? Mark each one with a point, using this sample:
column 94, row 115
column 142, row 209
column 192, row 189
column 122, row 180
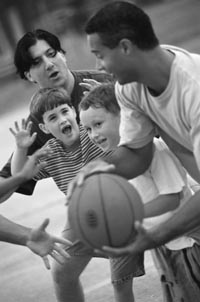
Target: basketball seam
column 104, row 211
column 130, row 204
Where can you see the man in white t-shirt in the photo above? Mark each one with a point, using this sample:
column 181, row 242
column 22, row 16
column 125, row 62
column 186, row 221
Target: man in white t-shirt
column 158, row 88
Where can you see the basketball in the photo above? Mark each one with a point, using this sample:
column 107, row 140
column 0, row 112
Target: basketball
column 104, row 209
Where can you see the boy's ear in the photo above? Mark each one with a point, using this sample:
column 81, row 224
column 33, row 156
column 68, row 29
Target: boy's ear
column 29, row 77
column 43, row 128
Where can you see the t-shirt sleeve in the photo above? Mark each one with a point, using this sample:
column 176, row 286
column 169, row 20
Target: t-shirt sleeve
column 136, row 129
column 167, row 172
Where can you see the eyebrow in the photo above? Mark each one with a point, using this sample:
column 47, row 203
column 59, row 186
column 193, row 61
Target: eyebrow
column 46, row 51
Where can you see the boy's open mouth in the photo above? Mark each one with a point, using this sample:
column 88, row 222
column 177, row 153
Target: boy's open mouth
column 66, row 129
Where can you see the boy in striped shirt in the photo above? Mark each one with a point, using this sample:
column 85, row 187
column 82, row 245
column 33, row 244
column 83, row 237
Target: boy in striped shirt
column 72, row 149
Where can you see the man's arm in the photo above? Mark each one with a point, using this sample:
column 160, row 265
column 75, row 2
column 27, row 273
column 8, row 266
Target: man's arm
column 130, row 163
column 185, row 219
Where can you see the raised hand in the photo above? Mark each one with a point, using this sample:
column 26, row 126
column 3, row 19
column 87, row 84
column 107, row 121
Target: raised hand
column 43, row 244
column 22, row 134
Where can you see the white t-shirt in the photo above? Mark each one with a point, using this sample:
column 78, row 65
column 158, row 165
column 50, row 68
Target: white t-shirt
column 176, row 111
column 165, row 175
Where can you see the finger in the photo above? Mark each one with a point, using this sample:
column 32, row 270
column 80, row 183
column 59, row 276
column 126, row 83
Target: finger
column 16, row 126
column 91, row 81
column 85, row 85
column 33, row 137
column 12, row 131
column 46, row 262
column 61, row 251
column 23, row 123
column 115, row 252
column 62, row 240
column 100, row 253
column 106, row 168
column 41, row 165
column 28, row 126
column 56, row 257
column 44, row 224
column 71, row 189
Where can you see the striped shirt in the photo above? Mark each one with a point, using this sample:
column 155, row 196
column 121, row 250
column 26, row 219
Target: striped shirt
column 64, row 165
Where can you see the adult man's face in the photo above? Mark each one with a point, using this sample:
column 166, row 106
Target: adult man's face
column 49, row 68
column 118, row 61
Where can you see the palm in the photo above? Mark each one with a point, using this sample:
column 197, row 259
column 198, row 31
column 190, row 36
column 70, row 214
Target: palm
column 22, row 134
column 23, row 139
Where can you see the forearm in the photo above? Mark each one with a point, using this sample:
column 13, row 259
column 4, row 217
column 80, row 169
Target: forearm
column 183, row 220
column 9, row 185
column 162, row 204
column 18, row 160
column 12, row 232
column 130, row 163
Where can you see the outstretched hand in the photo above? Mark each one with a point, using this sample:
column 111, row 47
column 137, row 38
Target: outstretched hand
column 43, row 244
column 143, row 241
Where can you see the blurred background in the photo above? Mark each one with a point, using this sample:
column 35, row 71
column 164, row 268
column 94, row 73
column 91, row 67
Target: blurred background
column 23, row 277
column 175, row 22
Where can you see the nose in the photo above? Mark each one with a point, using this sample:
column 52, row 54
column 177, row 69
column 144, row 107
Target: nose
column 48, row 63
column 94, row 134
column 99, row 65
column 62, row 119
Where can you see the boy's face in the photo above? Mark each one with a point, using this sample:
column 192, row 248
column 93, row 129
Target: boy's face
column 61, row 123
column 101, row 126
column 115, row 61
column 49, row 68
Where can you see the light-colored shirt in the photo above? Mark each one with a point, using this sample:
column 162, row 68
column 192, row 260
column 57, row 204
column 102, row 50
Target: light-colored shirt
column 176, row 110
column 165, row 175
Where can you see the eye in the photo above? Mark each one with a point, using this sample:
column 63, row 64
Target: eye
column 51, row 53
column 36, row 62
column 98, row 125
column 88, row 130
column 52, row 118
column 65, row 111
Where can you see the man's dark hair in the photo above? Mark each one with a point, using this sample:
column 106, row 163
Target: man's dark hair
column 118, row 20
column 22, row 58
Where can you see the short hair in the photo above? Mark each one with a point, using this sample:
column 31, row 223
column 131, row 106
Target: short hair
column 101, row 96
column 118, row 20
column 22, row 57
column 46, row 99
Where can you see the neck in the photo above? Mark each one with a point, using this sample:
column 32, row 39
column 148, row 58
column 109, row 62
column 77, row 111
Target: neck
column 69, row 84
column 158, row 70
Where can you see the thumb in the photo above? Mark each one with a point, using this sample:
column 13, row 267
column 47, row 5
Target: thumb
column 43, row 225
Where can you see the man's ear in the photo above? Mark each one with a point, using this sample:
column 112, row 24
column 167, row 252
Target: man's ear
column 29, row 77
column 126, row 46
column 43, row 128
